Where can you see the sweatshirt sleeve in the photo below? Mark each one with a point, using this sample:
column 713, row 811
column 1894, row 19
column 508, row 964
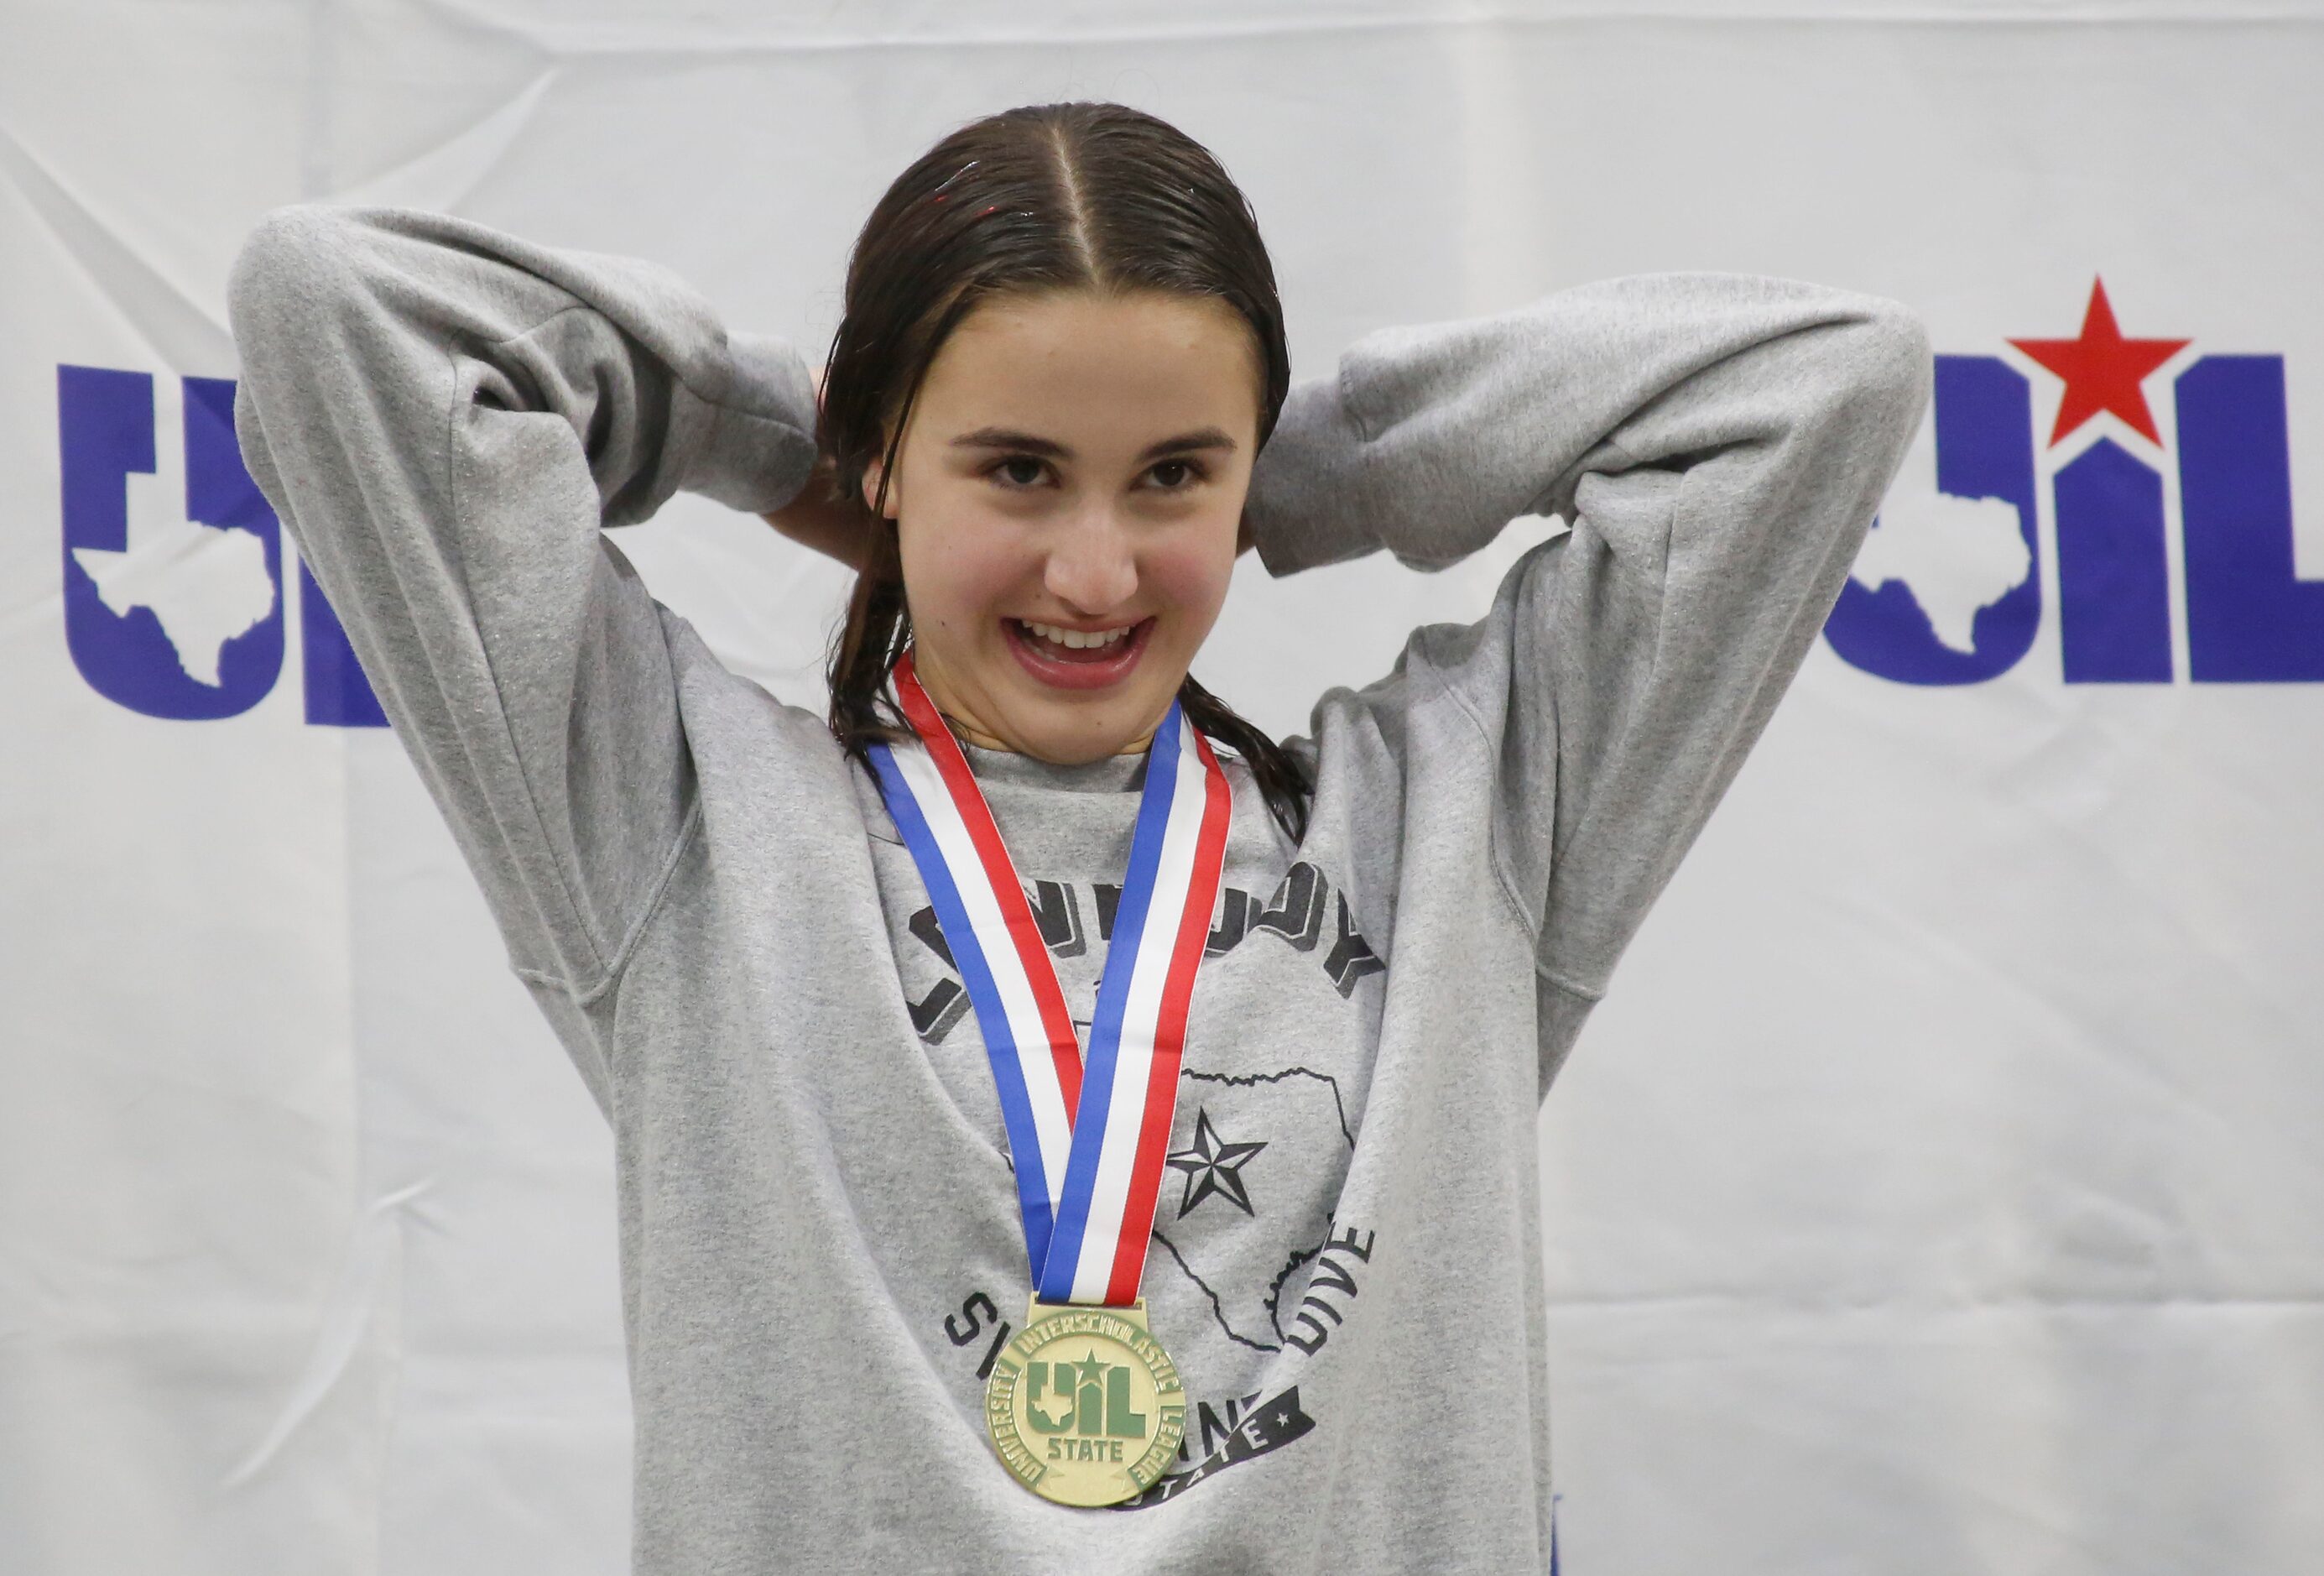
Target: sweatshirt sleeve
column 1719, row 444
column 443, row 417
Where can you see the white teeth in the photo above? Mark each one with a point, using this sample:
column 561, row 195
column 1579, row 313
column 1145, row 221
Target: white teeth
column 1074, row 639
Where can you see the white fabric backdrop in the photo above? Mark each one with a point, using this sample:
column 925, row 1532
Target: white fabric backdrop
column 1937, row 1191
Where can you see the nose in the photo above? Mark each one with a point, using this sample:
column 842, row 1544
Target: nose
column 1091, row 567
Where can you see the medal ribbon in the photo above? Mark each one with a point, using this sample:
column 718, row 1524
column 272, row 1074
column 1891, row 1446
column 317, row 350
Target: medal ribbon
column 1087, row 1138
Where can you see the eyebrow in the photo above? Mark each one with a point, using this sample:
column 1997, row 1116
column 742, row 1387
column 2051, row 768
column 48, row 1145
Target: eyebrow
column 1049, row 449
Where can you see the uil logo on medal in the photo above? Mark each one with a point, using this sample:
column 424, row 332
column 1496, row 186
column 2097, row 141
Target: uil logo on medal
column 1084, row 1406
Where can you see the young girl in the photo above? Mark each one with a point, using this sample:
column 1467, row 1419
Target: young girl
column 1056, row 1126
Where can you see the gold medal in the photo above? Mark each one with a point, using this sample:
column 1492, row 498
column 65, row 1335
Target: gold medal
column 1084, row 1407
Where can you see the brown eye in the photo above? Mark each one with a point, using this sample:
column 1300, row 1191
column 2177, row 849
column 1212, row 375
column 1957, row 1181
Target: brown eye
column 1010, row 475
column 1186, row 473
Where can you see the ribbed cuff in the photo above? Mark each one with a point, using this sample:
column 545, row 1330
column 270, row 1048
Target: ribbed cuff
column 761, row 443
column 1309, row 504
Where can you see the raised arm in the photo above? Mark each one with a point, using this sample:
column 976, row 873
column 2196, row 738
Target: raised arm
column 444, row 416
column 1719, row 443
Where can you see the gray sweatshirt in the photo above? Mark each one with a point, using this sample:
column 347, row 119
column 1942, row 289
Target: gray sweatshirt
column 820, row 1248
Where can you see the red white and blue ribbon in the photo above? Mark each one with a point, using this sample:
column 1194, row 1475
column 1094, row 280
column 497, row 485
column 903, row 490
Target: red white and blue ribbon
column 1087, row 1138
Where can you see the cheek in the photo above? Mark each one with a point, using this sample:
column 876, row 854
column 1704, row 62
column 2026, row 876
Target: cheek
column 957, row 576
column 1191, row 577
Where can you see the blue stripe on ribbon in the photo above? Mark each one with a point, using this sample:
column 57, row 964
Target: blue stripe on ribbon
column 991, row 1016
column 1054, row 1271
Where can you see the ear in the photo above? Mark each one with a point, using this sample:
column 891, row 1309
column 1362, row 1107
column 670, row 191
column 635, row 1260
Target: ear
column 872, row 474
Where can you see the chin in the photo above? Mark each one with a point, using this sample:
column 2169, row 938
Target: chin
column 1073, row 741
column 1079, row 750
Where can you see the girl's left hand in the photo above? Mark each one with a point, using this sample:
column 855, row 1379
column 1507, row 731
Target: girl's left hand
column 838, row 527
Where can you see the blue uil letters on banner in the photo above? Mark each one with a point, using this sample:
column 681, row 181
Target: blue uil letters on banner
column 1946, row 598
column 174, row 608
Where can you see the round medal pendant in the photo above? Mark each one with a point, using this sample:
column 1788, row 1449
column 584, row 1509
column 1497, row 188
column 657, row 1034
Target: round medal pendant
column 1084, row 1407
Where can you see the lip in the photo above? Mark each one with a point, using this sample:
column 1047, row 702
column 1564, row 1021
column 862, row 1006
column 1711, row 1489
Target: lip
column 1062, row 674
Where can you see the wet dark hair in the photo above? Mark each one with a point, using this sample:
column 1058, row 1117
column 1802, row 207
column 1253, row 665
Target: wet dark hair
column 1047, row 197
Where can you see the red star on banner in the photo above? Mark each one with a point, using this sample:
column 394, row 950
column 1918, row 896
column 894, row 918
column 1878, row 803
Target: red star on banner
column 2102, row 369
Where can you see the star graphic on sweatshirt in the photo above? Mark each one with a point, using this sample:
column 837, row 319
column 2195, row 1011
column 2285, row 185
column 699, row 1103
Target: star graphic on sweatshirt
column 1213, row 1166
column 2102, row 370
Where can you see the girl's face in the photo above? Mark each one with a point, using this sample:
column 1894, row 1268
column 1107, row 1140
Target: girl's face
column 1067, row 499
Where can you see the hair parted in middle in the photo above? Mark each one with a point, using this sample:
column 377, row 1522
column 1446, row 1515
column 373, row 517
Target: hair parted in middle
column 1079, row 196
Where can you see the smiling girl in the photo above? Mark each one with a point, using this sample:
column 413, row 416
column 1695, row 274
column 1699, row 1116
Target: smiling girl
column 1035, row 1093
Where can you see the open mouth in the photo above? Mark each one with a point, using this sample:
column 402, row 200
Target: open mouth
column 1077, row 659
